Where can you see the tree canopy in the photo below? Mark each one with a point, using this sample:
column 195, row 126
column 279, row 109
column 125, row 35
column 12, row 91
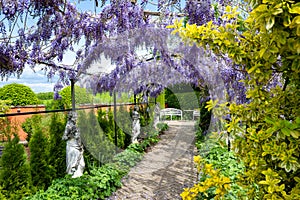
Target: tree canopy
column 81, row 96
column 18, row 94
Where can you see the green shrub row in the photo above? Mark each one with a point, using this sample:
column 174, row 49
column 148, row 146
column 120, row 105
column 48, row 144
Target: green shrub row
column 229, row 166
column 101, row 181
column 219, row 171
column 44, row 171
column 21, row 176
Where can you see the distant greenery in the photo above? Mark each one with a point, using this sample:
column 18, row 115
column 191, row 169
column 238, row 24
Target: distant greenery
column 161, row 100
column 106, row 98
column 18, row 94
column 182, row 96
column 45, row 95
column 81, row 96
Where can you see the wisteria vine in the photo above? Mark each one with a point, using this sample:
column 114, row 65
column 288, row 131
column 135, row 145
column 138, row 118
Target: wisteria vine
column 59, row 29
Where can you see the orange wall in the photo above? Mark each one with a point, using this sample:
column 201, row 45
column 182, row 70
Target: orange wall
column 18, row 120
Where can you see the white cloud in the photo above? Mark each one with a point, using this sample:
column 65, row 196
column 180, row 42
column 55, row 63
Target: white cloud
column 37, row 81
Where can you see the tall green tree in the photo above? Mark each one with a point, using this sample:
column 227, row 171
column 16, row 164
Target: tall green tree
column 5, row 128
column 18, row 94
column 29, row 124
column 98, row 148
column 41, row 171
column 57, row 154
column 15, row 177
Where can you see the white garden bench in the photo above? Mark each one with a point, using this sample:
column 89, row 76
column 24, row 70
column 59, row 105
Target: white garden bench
column 196, row 113
column 170, row 112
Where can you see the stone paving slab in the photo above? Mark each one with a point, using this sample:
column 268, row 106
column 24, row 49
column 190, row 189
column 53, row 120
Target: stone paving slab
column 166, row 169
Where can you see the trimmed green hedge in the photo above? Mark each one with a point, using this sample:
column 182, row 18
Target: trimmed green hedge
column 18, row 94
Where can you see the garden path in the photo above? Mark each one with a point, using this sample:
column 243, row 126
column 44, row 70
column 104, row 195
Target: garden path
column 166, row 169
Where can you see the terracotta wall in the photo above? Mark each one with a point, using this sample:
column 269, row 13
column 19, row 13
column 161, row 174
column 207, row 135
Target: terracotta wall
column 18, row 120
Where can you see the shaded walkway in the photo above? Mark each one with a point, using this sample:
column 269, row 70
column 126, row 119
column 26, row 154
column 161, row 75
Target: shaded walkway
column 166, row 169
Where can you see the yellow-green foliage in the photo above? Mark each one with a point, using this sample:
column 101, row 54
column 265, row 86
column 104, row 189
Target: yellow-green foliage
column 268, row 139
column 214, row 180
column 161, row 100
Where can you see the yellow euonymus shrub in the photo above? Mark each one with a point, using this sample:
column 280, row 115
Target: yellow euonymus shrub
column 214, row 179
column 266, row 129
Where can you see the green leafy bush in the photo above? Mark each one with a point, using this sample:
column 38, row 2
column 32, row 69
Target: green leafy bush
column 2, row 197
column 15, row 177
column 149, row 141
column 99, row 184
column 18, row 94
column 128, row 158
column 230, row 166
column 162, row 126
column 219, row 172
column 135, row 147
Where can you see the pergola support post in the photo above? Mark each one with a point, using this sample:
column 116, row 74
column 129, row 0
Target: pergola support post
column 115, row 120
column 73, row 94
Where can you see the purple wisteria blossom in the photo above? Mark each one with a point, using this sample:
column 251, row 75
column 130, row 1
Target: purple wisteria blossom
column 117, row 32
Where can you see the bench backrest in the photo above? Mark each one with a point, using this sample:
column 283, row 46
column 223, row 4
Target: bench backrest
column 171, row 111
column 196, row 113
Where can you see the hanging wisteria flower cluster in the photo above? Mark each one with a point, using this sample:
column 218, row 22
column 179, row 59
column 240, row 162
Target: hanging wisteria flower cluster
column 170, row 62
column 59, row 29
